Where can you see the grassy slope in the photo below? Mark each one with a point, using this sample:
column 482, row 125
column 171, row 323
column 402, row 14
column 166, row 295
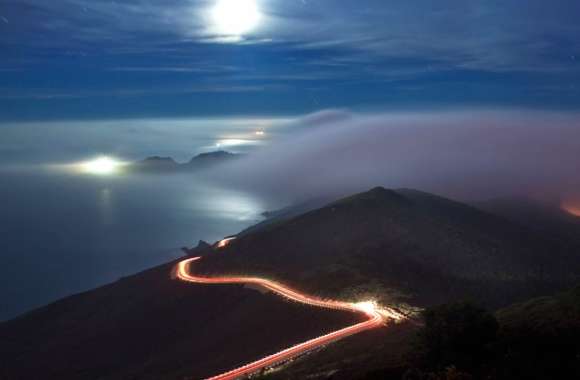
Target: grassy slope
column 381, row 243
column 402, row 246
column 149, row 326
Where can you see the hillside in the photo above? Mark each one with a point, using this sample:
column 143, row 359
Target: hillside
column 149, row 326
column 403, row 246
column 544, row 331
column 167, row 165
column 546, row 218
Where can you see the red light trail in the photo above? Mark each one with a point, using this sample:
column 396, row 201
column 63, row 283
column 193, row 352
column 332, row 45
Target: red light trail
column 376, row 315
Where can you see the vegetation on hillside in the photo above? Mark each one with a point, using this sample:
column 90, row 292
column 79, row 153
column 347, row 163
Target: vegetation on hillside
column 538, row 339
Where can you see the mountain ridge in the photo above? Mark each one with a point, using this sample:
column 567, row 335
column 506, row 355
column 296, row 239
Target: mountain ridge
column 447, row 241
column 167, row 165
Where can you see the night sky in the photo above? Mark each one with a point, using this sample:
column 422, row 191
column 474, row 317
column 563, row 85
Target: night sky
column 92, row 59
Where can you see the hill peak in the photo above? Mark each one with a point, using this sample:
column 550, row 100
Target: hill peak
column 380, row 191
column 377, row 194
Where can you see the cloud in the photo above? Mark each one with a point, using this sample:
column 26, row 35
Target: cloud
column 48, row 94
column 468, row 154
column 200, row 68
column 128, row 139
column 485, row 35
column 324, row 117
column 489, row 36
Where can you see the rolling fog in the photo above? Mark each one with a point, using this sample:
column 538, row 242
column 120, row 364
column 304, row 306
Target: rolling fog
column 70, row 233
column 468, row 155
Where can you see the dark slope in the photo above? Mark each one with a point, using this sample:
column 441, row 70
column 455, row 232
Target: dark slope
column 391, row 243
column 383, row 351
column 545, row 332
column 547, row 218
column 535, row 339
column 151, row 327
column 543, row 316
column 382, row 243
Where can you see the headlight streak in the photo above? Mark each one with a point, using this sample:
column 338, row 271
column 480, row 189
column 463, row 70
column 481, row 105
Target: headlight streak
column 377, row 316
column 225, row 242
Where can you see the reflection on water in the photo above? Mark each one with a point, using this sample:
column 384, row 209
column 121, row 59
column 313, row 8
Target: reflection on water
column 70, row 233
column 227, row 204
column 106, row 206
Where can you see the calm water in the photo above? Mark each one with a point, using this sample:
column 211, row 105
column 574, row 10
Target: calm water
column 61, row 234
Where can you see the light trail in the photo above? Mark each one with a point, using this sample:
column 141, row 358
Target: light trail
column 225, row 242
column 376, row 316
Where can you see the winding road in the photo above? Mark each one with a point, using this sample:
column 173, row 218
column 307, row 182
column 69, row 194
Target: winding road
column 376, row 316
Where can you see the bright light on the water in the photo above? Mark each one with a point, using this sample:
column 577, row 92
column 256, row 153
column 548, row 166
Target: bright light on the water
column 236, row 17
column 101, row 166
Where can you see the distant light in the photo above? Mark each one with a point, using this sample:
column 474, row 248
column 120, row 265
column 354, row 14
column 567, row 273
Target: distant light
column 235, row 142
column 101, row 166
column 225, row 242
column 235, row 17
column 260, row 133
column 571, row 208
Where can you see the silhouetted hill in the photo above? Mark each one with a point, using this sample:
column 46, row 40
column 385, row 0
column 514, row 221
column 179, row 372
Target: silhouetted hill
column 205, row 160
column 167, row 165
column 155, row 164
column 404, row 245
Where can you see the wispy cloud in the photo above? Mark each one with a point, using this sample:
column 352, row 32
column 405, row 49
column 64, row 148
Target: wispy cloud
column 47, row 94
column 467, row 154
column 491, row 35
column 350, row 53
column 203, row 69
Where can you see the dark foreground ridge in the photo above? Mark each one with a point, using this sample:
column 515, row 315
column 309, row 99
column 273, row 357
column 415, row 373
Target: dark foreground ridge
column 150, row 326
column 404, row 248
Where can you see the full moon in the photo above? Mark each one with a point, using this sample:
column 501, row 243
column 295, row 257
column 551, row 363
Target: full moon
column 236, row 17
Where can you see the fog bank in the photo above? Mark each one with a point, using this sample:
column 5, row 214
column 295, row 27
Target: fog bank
column 466, row 155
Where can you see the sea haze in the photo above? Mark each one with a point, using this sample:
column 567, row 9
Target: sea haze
column 64, row 233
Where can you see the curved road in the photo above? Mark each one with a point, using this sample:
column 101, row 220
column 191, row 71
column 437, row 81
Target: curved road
column 376, row 316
